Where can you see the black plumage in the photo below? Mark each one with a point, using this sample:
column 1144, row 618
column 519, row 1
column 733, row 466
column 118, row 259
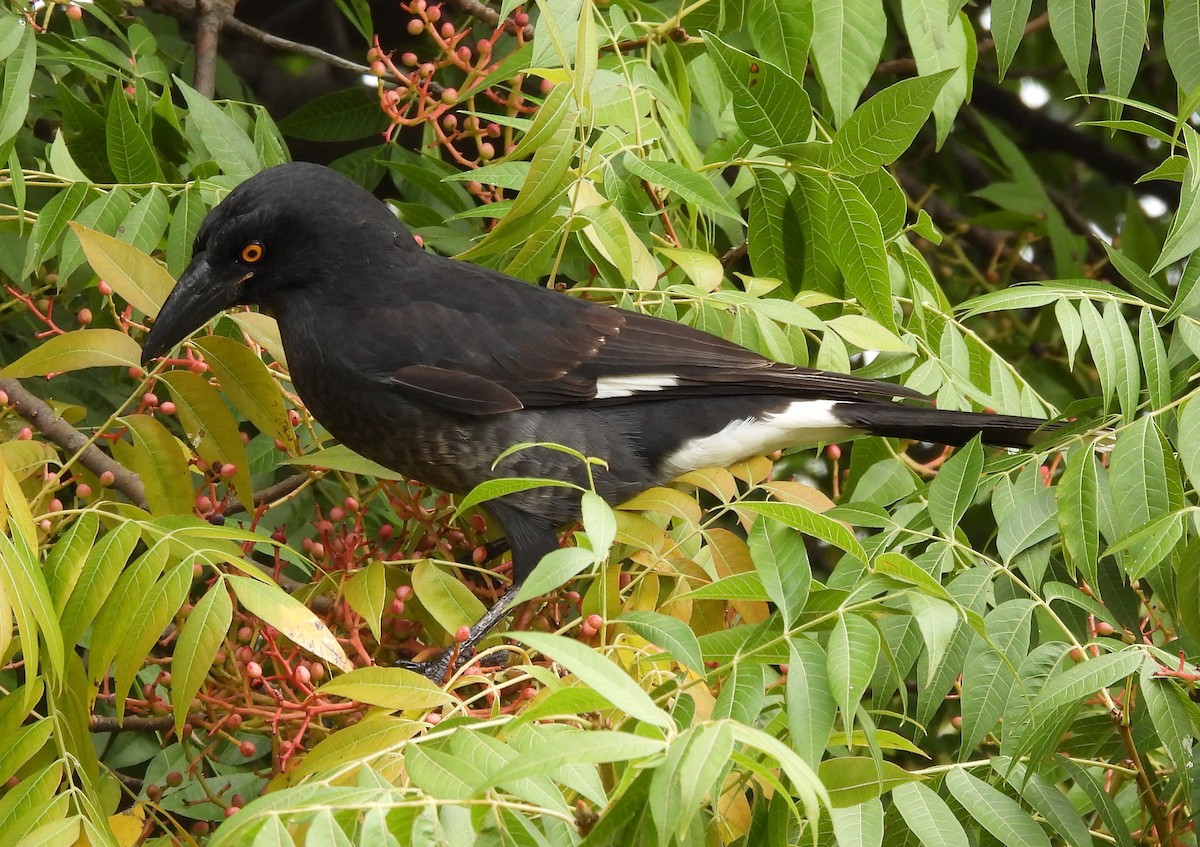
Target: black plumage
column 433, row 367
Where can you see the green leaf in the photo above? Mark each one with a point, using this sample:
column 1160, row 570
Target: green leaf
column 1071, row 25
column 1033, row 520
column 782, row 31
column 342, row 458
column 135, row 276
column 781, row 560
column 1120, row 37
column 691, row 187
column 197, row 646
column 50, row 223
column 810, row 523
column 884, row 127
column 596, row 671
column 928, row 816
column 940, row 42
column 274, row 606
column 144, row 224
column 231, row 148
column 24, row 585
column 451, row 603
column 18, row 76
column 1173, row 716
column 556, row 568
column 367, row 593
column 1078, row 516
column 672, row 634
column 853, row 652
column 130, row 153
column 860, row 824
column 396, row 689
column 359, row 742
column 867, row 334
column 593, row 747
column 1080, row 681
column 345, row 115
column 160, row 462
column 848, row 38
column 105, row 562
column 1008, row 27
column 494, row 488
column 1154, row 361
column 1181, row 38
column 952, row 491
column 1184, row 235
column 186, row 218
column 147, row 616
column 247, row 382
column 998, row 813
column 766, row 237
column 859, row 251
column 1146, row 474
column 76, row 350
column 810, row 705
column 67, row 558
column 211, row 429
column 769, row 106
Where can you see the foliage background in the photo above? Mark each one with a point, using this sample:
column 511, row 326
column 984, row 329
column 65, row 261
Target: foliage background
column 871, row 644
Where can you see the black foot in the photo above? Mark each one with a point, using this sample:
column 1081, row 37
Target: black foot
column 439, row 667
column 436, row 669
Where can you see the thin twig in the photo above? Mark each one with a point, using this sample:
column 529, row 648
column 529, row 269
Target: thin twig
column 489, row 16
column 984, row 46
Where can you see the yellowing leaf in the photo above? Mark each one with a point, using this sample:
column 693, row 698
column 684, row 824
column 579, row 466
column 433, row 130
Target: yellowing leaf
column 391, row 688
column 291, row 617
column 73, row 351
column 138, row 278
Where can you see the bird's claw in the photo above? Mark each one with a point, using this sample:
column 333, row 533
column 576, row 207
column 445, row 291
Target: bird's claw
column 436, row 669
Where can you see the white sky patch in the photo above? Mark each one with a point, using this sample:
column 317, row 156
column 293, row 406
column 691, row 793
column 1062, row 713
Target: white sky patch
column 1033, row 93
column 985, row 19
column 1026, row 253
column 608, row 387
column 1153, row 206
column 1099, row 233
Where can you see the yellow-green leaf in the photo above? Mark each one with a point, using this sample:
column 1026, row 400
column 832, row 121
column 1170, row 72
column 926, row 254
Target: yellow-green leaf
column 390, row 688
column 291, row 617
column 160, row 462
column 248, row 383
column 73, row 351
column 198, row 642
column 136, row 277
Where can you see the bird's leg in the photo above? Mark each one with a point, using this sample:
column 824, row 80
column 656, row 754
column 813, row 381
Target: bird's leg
column 530, row 538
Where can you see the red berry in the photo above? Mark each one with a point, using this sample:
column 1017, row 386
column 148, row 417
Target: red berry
column 153, row 792
column 462, row 634
column 834, row 452
column 74, row 12
column 433, row 718
column 254, row 670
column 434, row 13
column 25, row 434
column 487, row 151
column 403, row 592
column 318, row 672
column 521, row 19
column 244, row 634
column 409, row 60
column 397, row 607
column 174, row 779
column 84, row 315
column 231, row 811
column 3, row 398
column 104, row 288
column 378, row 69
column 83, row 490
column 415, row 27
column 107, row 478
column 136, row 373
column 1104, row 628
column 374, row 55
column 150, row 399
column 56, row 505
column 197, row 366
column 302, row 675
column 447, row 29
column 318, row 552
column 167, row 407
column 337, row 514
column 233, row 723
column 351, row 504
column 228, row 470
column 595, row 622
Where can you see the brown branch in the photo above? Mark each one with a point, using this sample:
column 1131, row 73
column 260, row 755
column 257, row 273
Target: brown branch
column 43, row 418
column 734, row 253
column 952, row 220
column 103, row 723
column 210, row 14
column 267, row 495
column 984, row 47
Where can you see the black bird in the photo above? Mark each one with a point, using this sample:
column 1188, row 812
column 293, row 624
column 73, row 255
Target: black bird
column 433, row 367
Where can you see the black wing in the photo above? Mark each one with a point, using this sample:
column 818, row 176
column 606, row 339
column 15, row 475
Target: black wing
column 475, row 341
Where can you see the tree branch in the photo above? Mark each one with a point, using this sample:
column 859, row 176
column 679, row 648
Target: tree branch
column 43, row 418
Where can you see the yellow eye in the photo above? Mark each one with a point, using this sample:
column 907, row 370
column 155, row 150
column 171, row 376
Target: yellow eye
column 252, row 253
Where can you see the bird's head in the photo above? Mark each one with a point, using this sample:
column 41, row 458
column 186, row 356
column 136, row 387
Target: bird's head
column 290, row 227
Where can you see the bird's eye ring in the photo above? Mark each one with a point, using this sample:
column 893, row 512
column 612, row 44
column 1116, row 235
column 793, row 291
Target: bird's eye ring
column 252, row 253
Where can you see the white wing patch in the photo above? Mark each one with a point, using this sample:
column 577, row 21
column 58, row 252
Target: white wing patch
column 608, row 387
column 802, row 423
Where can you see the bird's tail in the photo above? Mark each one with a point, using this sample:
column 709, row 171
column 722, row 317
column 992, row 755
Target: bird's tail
column 892, row 420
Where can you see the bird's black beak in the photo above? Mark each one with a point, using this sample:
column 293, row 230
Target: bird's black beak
column 197, row 297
